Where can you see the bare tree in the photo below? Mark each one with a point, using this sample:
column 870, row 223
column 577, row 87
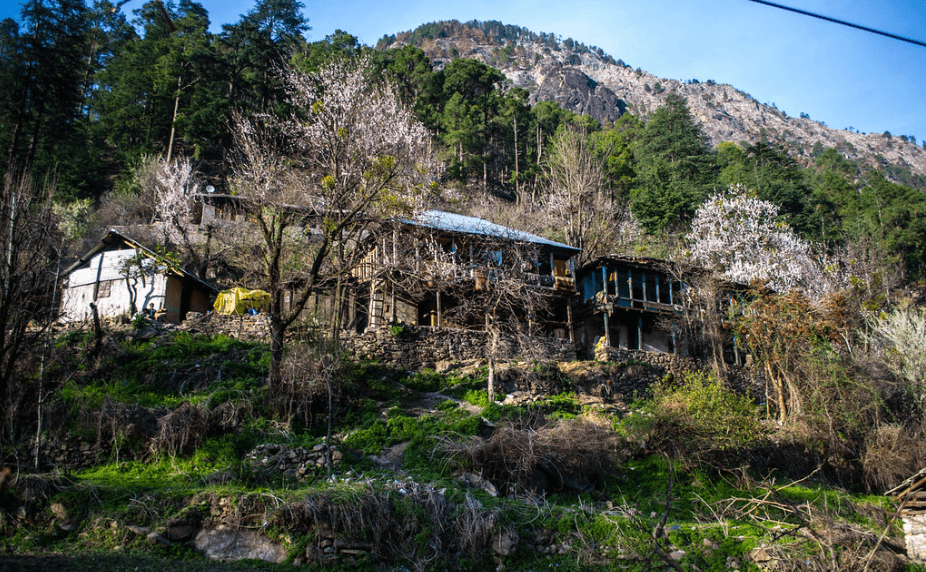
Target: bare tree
column 579, row 200
column 317, row 181
column 29, row 256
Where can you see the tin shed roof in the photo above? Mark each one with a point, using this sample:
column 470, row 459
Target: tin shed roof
column 452, row 222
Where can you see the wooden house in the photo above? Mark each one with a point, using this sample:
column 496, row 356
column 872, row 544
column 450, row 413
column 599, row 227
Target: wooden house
column 622, row 301
column 410, row 266
column 119, row 272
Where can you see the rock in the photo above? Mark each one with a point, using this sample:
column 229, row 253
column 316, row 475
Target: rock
column 147, row 333
column 475, row 481
column 443, row 365
column 180, row 532
column 139, row 530
column 677, row 554
column 232, row 543
column 58, row 510
column 505, row 542
column 155, row 539
column 312, row 554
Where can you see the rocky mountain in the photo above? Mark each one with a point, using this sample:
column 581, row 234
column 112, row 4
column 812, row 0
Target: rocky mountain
column 585, row 80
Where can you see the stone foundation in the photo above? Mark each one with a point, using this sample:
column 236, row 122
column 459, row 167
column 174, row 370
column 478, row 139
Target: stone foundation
column 415, row 348
column 744, row 379
column 914, row 531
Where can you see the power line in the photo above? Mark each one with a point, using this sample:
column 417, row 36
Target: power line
column 842, row 22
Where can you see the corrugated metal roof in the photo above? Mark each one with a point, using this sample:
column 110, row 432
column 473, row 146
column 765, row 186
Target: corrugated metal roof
column 452, row 222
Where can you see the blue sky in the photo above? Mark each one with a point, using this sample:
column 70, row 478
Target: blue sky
column 842, row 76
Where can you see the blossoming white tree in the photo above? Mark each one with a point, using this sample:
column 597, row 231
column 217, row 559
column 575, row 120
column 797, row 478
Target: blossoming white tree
column 174, row 183
column 316, row 182
column 741, row 236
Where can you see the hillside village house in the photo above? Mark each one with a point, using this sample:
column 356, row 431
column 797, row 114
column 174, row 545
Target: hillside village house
column 623, row 301
column 407, row 272
column 638, row 304
column 119, row 270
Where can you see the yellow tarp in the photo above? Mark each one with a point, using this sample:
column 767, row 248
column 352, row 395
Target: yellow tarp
column 238, row 301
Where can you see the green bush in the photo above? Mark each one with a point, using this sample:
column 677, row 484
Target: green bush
column 696, row 415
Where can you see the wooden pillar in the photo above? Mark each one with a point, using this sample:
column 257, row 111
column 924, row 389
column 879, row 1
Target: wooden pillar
column 643, row 286
column 658, row 298
column 572, row 272
column 438, row 310
column 572, row 334
column 607, row 330
column 640, row 333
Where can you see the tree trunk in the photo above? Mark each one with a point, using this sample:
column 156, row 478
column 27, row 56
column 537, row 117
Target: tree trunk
column 490, row 384
column 173, row 121
column 277, row 330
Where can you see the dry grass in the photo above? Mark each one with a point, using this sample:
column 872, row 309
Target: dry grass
column 892, row 453
column 557, row 456
column 181, row 430
column 411, row 522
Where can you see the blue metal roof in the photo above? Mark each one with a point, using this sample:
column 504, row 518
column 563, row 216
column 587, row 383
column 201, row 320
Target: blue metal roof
column 452, row 222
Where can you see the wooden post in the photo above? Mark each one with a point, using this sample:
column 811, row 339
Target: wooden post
column 607, row 330
column 640, row 333
column 438, row 309
column 617, row 288
column 604, row 281
column 572, row 334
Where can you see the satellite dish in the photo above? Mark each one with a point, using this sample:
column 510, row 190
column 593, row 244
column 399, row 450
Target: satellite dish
column 210, row 189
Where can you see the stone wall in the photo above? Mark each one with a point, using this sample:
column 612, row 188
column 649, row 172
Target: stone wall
column 408, row 347
column 414, row 347
column 417, row 347
column 914, row 531
column 744, row 379
column 245, row 327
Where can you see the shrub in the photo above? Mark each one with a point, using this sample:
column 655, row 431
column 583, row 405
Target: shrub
column 563, row 455
column 695, row 416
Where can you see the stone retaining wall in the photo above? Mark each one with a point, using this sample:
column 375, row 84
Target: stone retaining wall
column 414, row 348
column 417, row 347
column 244, row 327
column 914, row 531
column 744, row 379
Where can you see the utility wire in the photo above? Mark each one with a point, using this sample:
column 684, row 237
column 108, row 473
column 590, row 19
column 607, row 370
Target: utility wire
column 842, row 22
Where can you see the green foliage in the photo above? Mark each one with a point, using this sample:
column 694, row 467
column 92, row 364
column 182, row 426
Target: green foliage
column 695, row 415
column 675, row 167
column 181, row 367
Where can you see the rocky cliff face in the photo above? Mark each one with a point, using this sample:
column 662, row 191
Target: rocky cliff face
column 585, row 81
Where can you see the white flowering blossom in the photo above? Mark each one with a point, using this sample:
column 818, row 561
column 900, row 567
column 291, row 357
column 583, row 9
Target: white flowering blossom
column 741, row 236
column 174, row 183
column 358, row 139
